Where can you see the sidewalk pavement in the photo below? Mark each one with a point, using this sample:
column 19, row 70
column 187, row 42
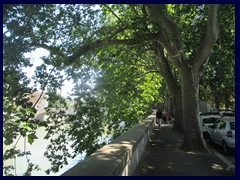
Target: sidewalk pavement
column 163, row 157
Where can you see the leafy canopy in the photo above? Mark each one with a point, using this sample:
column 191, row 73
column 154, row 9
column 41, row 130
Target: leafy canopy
column 114, row 88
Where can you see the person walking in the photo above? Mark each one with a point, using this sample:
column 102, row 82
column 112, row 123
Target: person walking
column 164, row 116
column 158, row 117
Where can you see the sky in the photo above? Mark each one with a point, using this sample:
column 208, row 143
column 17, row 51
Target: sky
column 36, row 60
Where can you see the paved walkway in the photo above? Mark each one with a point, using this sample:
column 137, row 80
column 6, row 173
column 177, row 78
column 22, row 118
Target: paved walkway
column 163, row 157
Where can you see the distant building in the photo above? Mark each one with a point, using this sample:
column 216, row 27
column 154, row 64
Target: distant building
column 41, row 104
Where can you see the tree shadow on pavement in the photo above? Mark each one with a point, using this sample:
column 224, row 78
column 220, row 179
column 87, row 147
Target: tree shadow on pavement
column 164, row 157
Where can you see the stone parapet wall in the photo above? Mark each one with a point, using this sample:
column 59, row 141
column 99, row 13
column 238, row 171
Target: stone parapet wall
column 120, row 157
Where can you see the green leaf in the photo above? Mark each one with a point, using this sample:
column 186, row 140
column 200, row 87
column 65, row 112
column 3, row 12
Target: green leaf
column 31, row 138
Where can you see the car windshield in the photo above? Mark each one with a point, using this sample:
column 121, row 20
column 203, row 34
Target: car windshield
column 232, row 125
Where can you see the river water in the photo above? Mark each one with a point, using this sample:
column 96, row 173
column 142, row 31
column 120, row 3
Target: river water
column 37, row 150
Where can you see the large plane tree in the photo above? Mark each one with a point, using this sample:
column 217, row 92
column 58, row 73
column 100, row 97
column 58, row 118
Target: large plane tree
column 125, row 47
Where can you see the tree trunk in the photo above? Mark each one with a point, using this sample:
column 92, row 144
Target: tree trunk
column 190, row 70
column 193, row 138
column 178, row 116
column 174, row 87
column 171, row 108
column 226, row 99
column 217, row 102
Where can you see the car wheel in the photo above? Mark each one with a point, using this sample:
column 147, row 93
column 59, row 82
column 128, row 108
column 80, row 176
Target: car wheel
column 225, row 148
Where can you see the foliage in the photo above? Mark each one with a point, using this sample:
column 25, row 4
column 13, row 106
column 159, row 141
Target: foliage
column 218, row 83
column 100, row 111
column 18, row 111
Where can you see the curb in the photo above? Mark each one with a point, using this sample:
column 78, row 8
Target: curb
column 225, row 160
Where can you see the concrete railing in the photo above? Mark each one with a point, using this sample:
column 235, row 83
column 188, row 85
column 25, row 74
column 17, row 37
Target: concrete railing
column 120, row 157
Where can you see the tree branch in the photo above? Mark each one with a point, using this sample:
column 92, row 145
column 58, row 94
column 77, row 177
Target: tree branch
column 114, row 14
column 108, row 42
column 202, row 68
column 50, row 48
column 43, row 88
column 133, row 9
column 173, row 53
column 115, row 33
column 165, row 70
column 209, row 39
column 165, row 25
column 172, row 28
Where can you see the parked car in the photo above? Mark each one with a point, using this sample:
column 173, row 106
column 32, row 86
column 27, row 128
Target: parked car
column 222, row 133
column 205, row 121
column 226, row 112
